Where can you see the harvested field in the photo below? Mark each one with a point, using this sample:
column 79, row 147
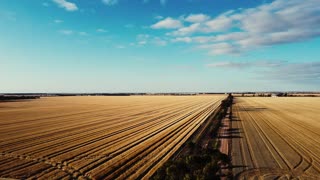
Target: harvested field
column 276, row 138
column 96, row 137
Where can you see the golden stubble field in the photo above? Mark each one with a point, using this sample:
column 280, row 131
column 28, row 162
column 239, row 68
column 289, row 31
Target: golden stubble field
column 276, row 138
column 96, row 137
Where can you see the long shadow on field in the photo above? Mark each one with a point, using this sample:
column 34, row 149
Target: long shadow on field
column 234, row 118
column 229, row 137
column 231, row 133
column 238, row 166
column 252, row 109
column 235, row 131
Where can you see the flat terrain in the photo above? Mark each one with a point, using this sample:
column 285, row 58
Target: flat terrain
column 276, row 138
column 96, row 137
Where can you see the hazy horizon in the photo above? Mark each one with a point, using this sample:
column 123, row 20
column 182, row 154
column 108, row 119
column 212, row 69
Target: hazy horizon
column 113, row 46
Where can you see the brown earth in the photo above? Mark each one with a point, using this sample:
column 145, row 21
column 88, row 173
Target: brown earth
column 96, row 137
column 276, row 138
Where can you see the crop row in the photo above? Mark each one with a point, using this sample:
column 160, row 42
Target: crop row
column 97, row 137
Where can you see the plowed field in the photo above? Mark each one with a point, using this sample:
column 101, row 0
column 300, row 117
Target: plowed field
column 96, row 137
column 276, row 138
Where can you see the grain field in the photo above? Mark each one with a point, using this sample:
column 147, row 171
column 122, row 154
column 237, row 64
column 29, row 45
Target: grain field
column 96, row 137
column 276, row 138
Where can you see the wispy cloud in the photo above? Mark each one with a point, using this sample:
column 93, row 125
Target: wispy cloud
column 110, row 2
column 197, row 18
column 66, row 32
column 186, row 30
column 301, row 72
column 143, row 39
column 228, row 65
column 248, row 64
column 114, row 2
column 182, row 39
column 159, row 42
column 82, row 33
column 158, row 17
column 167, row 23
column 306, row 72
column 100, row 30
column 222, row 48
column 58, row 21
column 242, row 30
column 120, row 46
column 66, row 5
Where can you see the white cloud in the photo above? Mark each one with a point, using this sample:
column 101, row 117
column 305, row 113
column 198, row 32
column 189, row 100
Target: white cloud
column 100, row 30
column 304, row 72
column 240, row 30
column 143, row 36
column 202, row 24
column 110, row 2
column 66, row 5
column 222, row 48
column 58, row 21
column 186, row 30
column 301, row 72
column 120, row 47
column 182, row 39
column 290, row 36
column 221, row 23
column 162, row 2
column 83, row 33
column 204, row 39
column 236, row 36
column 142, row 42
column 228, row 64
column 196, row 18
column 158, row 17
column 143, row 39
column 159, row 42
column 66, row 32
column 279, row 22
column 167, row 23
column 252, row 64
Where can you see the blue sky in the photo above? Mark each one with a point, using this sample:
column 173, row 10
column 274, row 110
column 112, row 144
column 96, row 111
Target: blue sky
column 159, row 45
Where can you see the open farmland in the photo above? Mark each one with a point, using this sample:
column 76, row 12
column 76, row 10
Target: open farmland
column 96, row 137
column 276, row 138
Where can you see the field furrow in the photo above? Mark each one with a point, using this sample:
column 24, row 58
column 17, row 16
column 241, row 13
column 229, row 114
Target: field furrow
column 281, row 135
column 97, row 137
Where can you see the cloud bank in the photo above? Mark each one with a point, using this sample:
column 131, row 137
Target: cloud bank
column 66, row 5
column 167, row 23
column 241, row 30
column 302, row 72
column 110, row 2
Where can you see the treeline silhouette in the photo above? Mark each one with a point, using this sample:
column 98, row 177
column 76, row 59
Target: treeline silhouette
column 17, row 97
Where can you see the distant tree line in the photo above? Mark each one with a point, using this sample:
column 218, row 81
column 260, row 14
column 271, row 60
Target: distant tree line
column 16, row 97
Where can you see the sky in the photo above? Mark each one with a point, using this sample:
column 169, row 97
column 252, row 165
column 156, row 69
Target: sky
column 80, row 46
